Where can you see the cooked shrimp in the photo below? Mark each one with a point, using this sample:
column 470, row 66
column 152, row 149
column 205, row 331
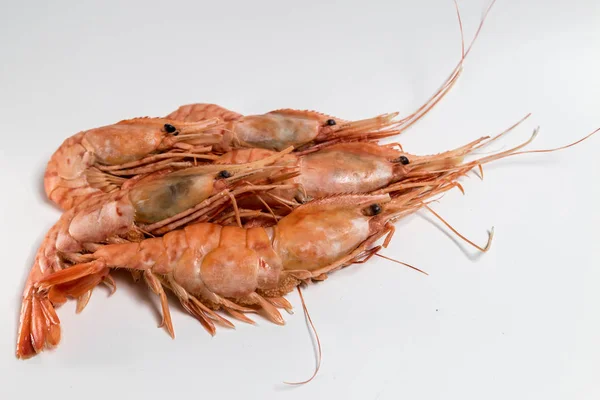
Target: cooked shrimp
column 348, row 168
column 76, row 170
column 305, row 129
column 279, row 129
column 211, row 267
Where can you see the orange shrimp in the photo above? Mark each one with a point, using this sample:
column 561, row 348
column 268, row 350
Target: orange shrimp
column 211, row 267
column 279, row 129
column 161, row 204
column 77, row 170
column 305, row 129
column 349, row 167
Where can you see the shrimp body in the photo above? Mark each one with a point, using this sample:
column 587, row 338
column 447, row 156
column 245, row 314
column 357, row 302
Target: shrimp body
column 349, row 168
column 204, row 259
column 276, row 131
column 234, row 262
column 209, row 266
column 72, row 175
column 279, row 129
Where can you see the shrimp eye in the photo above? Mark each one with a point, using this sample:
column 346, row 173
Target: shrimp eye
column 330, row 122
column 373, row 209
column 403, row 160
column 224, row 174
column 170, row 129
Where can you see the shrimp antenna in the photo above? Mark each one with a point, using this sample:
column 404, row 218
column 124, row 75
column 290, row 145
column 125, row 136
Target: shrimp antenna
column 482, row 249
column 514, row 152
column 401, row 263
column 558, row 148
column 462, row 34
column 320, row 355
column 424, row 109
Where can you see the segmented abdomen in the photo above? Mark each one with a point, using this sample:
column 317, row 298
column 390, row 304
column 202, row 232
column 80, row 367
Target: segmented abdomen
column 205, row 258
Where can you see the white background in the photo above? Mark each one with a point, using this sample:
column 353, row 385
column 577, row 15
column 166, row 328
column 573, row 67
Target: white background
column 519, row 322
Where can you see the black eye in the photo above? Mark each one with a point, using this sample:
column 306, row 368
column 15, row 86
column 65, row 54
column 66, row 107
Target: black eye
column 376, row 209
column 373, row 209
column 224, row 174
column 330, row 122
column 403, row 160
column 170, row 128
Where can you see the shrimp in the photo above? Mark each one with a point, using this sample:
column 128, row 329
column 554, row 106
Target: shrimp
column 77, row 170
column 171, row 200
column 212, row 267
column 350, row 167
column 159, row 205
column 305, row 129
column 279, row 129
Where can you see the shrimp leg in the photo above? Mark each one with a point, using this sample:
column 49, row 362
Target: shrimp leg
column 157, row 287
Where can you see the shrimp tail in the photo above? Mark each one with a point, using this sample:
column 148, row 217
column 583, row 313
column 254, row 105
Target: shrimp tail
column 39, row 326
